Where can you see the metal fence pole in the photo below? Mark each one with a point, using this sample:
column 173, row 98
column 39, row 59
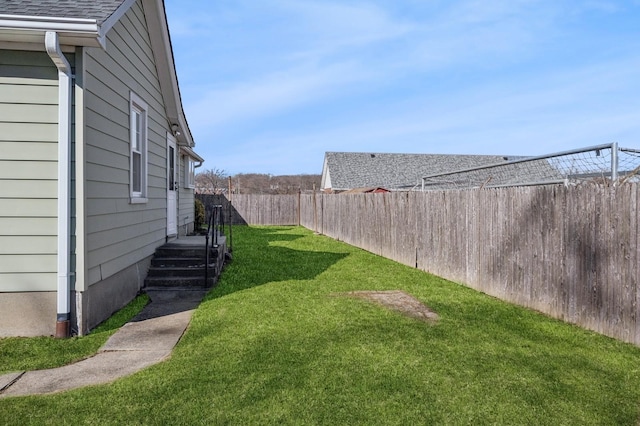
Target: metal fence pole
column 614, row 162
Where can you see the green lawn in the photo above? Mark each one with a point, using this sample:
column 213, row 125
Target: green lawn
column 274, row 344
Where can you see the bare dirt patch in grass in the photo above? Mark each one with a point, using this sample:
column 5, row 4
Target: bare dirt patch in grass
column 398, row 301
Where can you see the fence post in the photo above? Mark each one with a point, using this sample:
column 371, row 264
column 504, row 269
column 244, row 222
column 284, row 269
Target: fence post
column 614, row 163
column 299, row 207
column 315, row 210
column 230, row 219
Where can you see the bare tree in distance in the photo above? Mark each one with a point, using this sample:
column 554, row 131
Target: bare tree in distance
column 261, row 183
column 211, row 181
column 215, row 181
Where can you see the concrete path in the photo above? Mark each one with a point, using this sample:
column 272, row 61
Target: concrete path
column 148, row 339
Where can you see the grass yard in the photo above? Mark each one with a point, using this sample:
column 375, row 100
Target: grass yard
column 275, row 343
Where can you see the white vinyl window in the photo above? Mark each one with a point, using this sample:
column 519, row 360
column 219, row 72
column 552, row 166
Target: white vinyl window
column 138, row 155
column 189, row 173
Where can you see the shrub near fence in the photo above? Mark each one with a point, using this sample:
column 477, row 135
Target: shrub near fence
column 570, row 252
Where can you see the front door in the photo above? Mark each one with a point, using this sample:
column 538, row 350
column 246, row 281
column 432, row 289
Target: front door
column 172, row 187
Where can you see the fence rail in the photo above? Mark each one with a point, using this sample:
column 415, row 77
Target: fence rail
column 569, row 251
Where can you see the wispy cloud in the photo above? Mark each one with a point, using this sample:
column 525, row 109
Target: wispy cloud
column 282, row 81
column 556, row 112
column 602, row 6
column 316, row 67
column 270, row 94
column 332, row 26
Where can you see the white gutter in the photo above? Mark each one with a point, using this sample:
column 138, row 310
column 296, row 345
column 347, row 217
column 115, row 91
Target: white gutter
column 64, row 198
column 45, row 23
column 71, row 31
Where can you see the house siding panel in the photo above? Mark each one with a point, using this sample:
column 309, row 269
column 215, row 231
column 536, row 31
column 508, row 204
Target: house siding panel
column 119, row 234
column 18, row 132
column 28, row 171
column 33, row 93
column 15, row 263
column 28, row 245
column 28, row 151
column 28, row 226
column 22, row 113
column 26, row 208
column 17, row 188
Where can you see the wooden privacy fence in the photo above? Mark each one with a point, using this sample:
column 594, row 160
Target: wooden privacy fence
column 570, row 252
column 257, row 209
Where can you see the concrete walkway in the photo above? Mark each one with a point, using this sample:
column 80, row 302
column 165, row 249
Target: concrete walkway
column 148, row 339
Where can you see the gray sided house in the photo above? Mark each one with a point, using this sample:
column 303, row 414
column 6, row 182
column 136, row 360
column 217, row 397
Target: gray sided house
column 343, row 171
column 96, row 159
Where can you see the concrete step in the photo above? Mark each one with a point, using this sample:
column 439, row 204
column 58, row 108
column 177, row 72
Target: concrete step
column 173, row 271
column 177, row 251
column 178, row 282
column 169, row 250
column 164, row 262
column 181, row 265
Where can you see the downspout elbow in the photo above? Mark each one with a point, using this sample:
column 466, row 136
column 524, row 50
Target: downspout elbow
column 63, row 319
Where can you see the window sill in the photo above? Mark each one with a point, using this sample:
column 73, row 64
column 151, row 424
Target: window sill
column 138, row 200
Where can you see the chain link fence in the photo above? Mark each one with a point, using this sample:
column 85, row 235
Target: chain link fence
column 606, row 164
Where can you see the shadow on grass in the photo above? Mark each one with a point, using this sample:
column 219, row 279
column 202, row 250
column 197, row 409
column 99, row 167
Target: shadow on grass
column 259, row 259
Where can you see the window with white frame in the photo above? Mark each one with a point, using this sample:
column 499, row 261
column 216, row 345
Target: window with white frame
column 189, row 173
column 138, row 154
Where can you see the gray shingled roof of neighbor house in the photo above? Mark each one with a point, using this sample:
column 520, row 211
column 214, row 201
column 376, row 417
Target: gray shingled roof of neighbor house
column 100, row 10
column 396, row 171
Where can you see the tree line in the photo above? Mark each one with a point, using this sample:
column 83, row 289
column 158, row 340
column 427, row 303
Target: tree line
column 217, row 181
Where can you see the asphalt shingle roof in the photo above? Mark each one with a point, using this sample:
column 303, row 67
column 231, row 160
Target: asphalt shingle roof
column 100, row 10
column 396, row 171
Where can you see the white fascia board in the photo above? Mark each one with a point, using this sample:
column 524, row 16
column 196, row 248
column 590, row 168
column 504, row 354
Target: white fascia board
column 71, row 31
column 163, row 54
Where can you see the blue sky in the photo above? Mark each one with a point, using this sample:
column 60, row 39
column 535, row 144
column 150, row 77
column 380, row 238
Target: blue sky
column 268, row 86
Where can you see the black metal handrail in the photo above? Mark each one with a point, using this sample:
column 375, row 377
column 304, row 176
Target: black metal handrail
column 215, row 228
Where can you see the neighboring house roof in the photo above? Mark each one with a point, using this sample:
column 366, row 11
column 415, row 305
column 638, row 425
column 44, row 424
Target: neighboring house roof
column 347, row 170
column 23, row 24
